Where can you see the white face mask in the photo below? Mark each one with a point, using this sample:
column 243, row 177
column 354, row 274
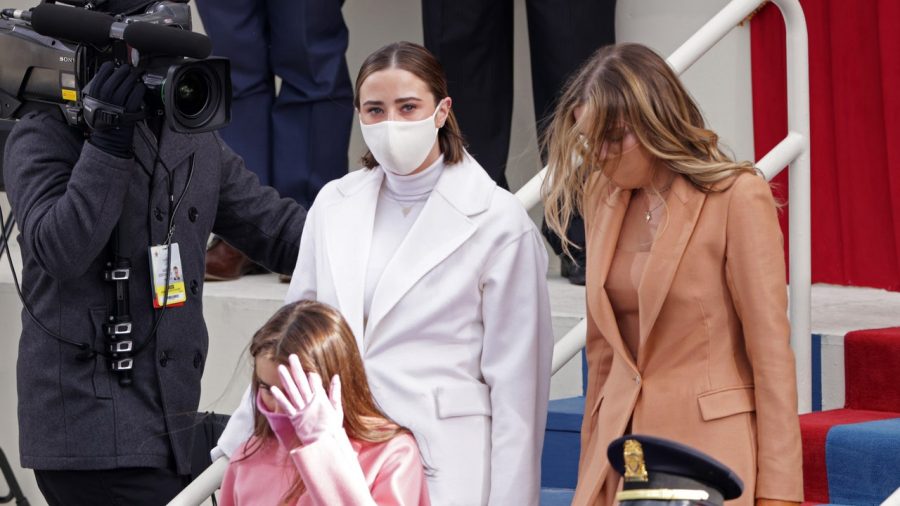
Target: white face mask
column 401, row 146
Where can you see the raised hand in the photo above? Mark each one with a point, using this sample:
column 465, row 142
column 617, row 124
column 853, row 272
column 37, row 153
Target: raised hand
column 312, row 411
column 112, row 100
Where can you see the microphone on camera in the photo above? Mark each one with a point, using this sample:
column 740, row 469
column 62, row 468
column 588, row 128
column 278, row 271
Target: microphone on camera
column 96, row 28
column 160, row 39
column 69, row 23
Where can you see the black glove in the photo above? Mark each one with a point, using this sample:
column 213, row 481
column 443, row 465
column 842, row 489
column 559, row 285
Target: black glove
column 112, row 101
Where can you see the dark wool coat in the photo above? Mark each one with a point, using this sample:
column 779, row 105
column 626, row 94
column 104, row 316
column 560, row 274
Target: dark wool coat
column 68, row 196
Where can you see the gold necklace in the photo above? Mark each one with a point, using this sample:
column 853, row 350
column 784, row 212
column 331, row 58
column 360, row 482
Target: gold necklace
column 649, row 214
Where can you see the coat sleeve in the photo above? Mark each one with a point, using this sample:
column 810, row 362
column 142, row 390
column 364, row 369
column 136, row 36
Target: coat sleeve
column 254, row 218
column 515, row 362
column 67, row 198
column 303, row 282
column 756, row 279
column 237, row 431
column 333, row 476
column 226, row 496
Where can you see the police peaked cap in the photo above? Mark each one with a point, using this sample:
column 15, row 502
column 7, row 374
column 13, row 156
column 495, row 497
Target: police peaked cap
column 650, row 464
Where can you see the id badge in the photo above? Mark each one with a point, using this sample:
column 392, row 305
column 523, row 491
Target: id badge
column 177, row 295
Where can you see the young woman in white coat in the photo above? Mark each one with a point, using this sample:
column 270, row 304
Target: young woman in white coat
column 442, row 277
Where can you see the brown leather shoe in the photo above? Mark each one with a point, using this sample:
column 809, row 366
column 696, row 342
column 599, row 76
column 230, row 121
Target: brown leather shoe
column 224, row 262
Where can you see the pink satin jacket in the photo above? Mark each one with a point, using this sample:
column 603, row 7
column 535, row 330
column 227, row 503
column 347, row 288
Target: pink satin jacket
column 384, row 474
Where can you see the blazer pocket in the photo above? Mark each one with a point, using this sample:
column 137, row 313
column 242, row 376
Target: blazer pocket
column 726, row 402
column 463, row 400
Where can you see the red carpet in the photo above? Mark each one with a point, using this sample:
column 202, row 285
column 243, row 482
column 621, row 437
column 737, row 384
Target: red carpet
column 871, row 365
column 814, row 430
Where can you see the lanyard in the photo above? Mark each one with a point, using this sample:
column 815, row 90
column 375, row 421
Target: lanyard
column 118, row 328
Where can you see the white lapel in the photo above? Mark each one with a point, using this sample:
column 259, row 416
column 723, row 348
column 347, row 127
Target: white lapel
column 462, row 191
column 347, row 227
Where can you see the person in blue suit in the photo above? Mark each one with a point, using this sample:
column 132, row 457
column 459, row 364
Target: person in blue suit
column 294, row 138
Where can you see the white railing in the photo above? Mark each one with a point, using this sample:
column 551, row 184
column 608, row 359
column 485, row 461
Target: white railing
column 201, row 488
column 793, row 150
column 893, row 500
column 569, row 346
column 530, row 193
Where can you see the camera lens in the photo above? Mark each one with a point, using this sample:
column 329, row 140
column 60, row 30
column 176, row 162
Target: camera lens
column 192, row 93
column 196, row 94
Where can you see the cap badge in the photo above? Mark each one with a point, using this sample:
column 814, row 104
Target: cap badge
column 635, row 470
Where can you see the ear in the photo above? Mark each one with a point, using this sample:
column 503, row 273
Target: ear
column 443, row 112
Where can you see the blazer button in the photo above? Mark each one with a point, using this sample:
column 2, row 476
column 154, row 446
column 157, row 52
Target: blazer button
column 198, row 360
column 192, row 214
column 158, row 214
column 195, row 287
column 163, row 358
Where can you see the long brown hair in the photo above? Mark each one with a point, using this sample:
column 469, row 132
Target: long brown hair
column 626, row 85
column 421, row 63
column 323, row 341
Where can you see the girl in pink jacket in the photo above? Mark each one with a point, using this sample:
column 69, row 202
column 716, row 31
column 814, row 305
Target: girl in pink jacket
column 310, row 447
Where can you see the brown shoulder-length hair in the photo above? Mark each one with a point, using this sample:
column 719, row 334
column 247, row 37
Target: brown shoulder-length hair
column 626, row 86
column 323, row 341
column 418, row 61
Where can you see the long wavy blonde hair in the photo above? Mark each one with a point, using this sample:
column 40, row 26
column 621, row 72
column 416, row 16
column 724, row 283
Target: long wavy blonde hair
column 625, row 86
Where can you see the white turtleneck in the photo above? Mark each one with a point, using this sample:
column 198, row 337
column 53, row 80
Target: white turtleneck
column 400, row 201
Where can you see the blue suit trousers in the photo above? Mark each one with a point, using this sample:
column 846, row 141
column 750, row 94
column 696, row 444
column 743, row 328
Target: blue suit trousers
column 295, row 140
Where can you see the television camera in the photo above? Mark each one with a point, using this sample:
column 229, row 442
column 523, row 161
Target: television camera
column 50, row 52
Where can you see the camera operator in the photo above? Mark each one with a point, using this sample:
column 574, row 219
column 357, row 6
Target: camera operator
column 93, row 434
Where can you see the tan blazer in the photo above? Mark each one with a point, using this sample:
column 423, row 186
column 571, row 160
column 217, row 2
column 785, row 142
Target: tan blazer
column 715, row 368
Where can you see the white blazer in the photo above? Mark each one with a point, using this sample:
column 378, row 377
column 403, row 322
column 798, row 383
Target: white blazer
column 458, row 343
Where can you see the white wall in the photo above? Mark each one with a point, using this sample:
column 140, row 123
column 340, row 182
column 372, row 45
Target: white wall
column 720, row 83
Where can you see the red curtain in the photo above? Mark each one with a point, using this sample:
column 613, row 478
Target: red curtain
column 854, row 75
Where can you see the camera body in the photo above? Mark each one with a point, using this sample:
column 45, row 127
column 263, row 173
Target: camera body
column 35, row 71
column 40, row 72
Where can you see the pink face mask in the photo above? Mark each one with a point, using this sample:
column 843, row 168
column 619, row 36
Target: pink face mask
column 279, row 422
column 631, row 169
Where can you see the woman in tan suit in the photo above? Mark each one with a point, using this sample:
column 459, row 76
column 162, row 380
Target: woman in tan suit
column 688, row 337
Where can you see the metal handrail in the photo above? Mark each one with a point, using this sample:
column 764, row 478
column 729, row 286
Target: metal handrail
column 893, row 499
column 203, row 485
